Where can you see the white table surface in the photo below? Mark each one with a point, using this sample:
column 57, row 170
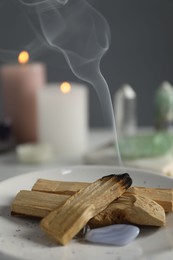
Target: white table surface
column 10, row 166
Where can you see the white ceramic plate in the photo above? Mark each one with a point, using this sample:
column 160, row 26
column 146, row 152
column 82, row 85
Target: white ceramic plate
column 22, row 238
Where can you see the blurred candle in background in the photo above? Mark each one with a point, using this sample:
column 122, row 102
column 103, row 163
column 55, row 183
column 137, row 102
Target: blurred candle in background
column 63, row 117
column 19, row 85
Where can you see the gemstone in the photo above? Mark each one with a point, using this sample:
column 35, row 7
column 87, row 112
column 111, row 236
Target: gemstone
column 119, row 234
column 163, row 106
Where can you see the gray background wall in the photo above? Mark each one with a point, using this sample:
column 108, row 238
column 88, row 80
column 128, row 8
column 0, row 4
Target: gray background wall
column 141, row 51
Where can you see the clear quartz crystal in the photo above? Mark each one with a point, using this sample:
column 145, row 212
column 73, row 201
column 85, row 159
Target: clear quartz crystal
column 125, row 105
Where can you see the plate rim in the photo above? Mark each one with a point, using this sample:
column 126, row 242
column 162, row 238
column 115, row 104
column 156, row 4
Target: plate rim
column 52, row 169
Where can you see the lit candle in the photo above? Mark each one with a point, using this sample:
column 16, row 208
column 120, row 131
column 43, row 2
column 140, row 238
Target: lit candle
column 19, row 85
column 63, row 118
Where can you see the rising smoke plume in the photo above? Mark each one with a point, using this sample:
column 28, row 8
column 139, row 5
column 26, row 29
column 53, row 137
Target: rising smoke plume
column 82, row 35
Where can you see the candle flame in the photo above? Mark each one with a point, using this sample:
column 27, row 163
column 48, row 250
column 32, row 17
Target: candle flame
column 23, row 57
column 65, row 87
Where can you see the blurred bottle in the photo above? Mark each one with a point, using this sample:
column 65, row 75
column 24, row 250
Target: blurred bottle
column 163, row 106
column 125, row 105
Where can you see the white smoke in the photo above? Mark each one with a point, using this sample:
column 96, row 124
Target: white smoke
column 57, row 3
column 82, row 35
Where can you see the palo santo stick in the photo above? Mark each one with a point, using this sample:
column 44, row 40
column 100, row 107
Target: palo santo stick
column 164, row 197
column 39, row 204
column 66, row 221
column 131, row 208
column 36, row 204
column 59, row 187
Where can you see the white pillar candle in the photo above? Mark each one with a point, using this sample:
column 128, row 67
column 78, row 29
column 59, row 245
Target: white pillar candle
column 63, row 118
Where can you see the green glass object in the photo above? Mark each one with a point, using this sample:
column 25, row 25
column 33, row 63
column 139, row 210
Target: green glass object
column 163, row 106
column 146, row 145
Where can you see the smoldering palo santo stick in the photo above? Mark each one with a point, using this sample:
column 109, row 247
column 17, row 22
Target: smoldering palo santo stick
column 66, row 221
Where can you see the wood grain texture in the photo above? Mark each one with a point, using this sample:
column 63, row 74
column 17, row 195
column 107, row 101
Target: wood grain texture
column 66, row 221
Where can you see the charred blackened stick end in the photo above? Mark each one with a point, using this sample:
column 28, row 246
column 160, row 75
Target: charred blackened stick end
column 124, row 178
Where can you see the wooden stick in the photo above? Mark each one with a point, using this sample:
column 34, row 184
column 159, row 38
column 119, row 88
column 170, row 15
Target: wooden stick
column 66, row 221
column 36, row 204
column 129, row 208
column 164, row 197
column 58, row 187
